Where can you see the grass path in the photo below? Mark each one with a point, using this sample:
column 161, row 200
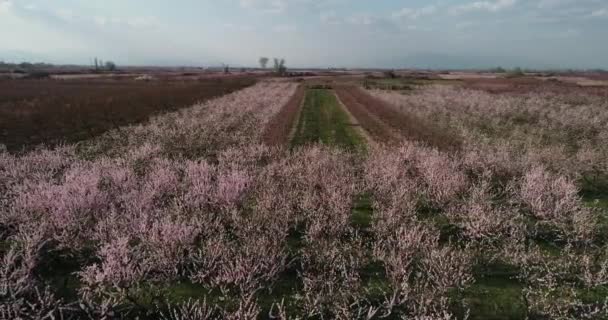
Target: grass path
column 323, row 120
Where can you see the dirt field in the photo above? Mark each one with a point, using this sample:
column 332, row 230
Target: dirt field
column 378, row 118
column 51, row 112
column 279, row 128
column 554, row 85
column 376, row 128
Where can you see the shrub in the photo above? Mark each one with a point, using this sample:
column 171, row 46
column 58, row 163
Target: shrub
column 390, row 74
column 38, row 75
column 515, row 73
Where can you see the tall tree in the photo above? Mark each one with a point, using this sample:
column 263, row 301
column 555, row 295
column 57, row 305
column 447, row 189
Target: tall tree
column 279, row 66
column 264, row 62
column 110, row 66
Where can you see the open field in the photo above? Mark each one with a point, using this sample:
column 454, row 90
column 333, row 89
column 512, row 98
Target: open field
column 322, row 199
column 53, row 112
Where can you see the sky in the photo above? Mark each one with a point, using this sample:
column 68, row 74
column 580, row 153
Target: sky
column 309, row 33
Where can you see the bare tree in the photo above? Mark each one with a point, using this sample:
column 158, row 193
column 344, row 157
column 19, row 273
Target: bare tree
column 279, row 66
column 264, row 62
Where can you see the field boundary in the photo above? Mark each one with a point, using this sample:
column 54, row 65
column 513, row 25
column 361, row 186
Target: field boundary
column 280, row 128
column 370, row 123
column 357, row 125
column 408, row 125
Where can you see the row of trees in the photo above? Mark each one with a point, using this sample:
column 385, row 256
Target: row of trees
column 279, row 65
column 25, row 65
column 100, row 66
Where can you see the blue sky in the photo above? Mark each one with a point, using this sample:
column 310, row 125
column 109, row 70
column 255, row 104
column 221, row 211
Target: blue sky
column 309, row 33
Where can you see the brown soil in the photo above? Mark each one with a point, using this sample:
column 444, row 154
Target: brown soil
column 52, row 112
column 377, row 130
column 279, row 127
column 378, row 117
column 505, row 85
column 532, row 84
column 356, row 124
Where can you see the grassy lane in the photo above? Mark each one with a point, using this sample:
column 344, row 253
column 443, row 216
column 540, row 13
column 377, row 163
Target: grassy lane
column 323, row 120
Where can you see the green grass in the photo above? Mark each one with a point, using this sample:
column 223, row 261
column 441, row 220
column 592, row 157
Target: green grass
column 494, row 299
column 496, row 293
column 594, row 192
column 323, row 120
column 362, row 212
column 375, row 281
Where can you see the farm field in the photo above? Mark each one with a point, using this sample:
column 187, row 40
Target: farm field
column 324, row 120
column 54, row 112
column 293, row 200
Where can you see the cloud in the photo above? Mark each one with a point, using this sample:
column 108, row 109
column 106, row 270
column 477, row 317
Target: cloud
column 466, row 24
column 5, row 6
column 600, row 13
column 542, row 4
column 238, row 28
column 569, row 33
column 362, row 19
column 70, row 33
column 330, row 17
column 284, row 28
column 410, row 13
column 269, row 6
column 490, row 6
column 372, row 25
column 72, row 21
column 143, row 22
column 548, row 4
column 100, row 21
column 65, row 14
column 294, row 6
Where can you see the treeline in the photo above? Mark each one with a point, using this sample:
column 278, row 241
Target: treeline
column 29, row 67
column 519, row 70
column 25, row 66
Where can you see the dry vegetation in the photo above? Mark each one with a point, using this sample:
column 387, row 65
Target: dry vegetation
column 483, row 206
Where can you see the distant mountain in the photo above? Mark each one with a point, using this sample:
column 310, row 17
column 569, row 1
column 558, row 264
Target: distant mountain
column 446, row 61
column 18, row 56
column 428, row 60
